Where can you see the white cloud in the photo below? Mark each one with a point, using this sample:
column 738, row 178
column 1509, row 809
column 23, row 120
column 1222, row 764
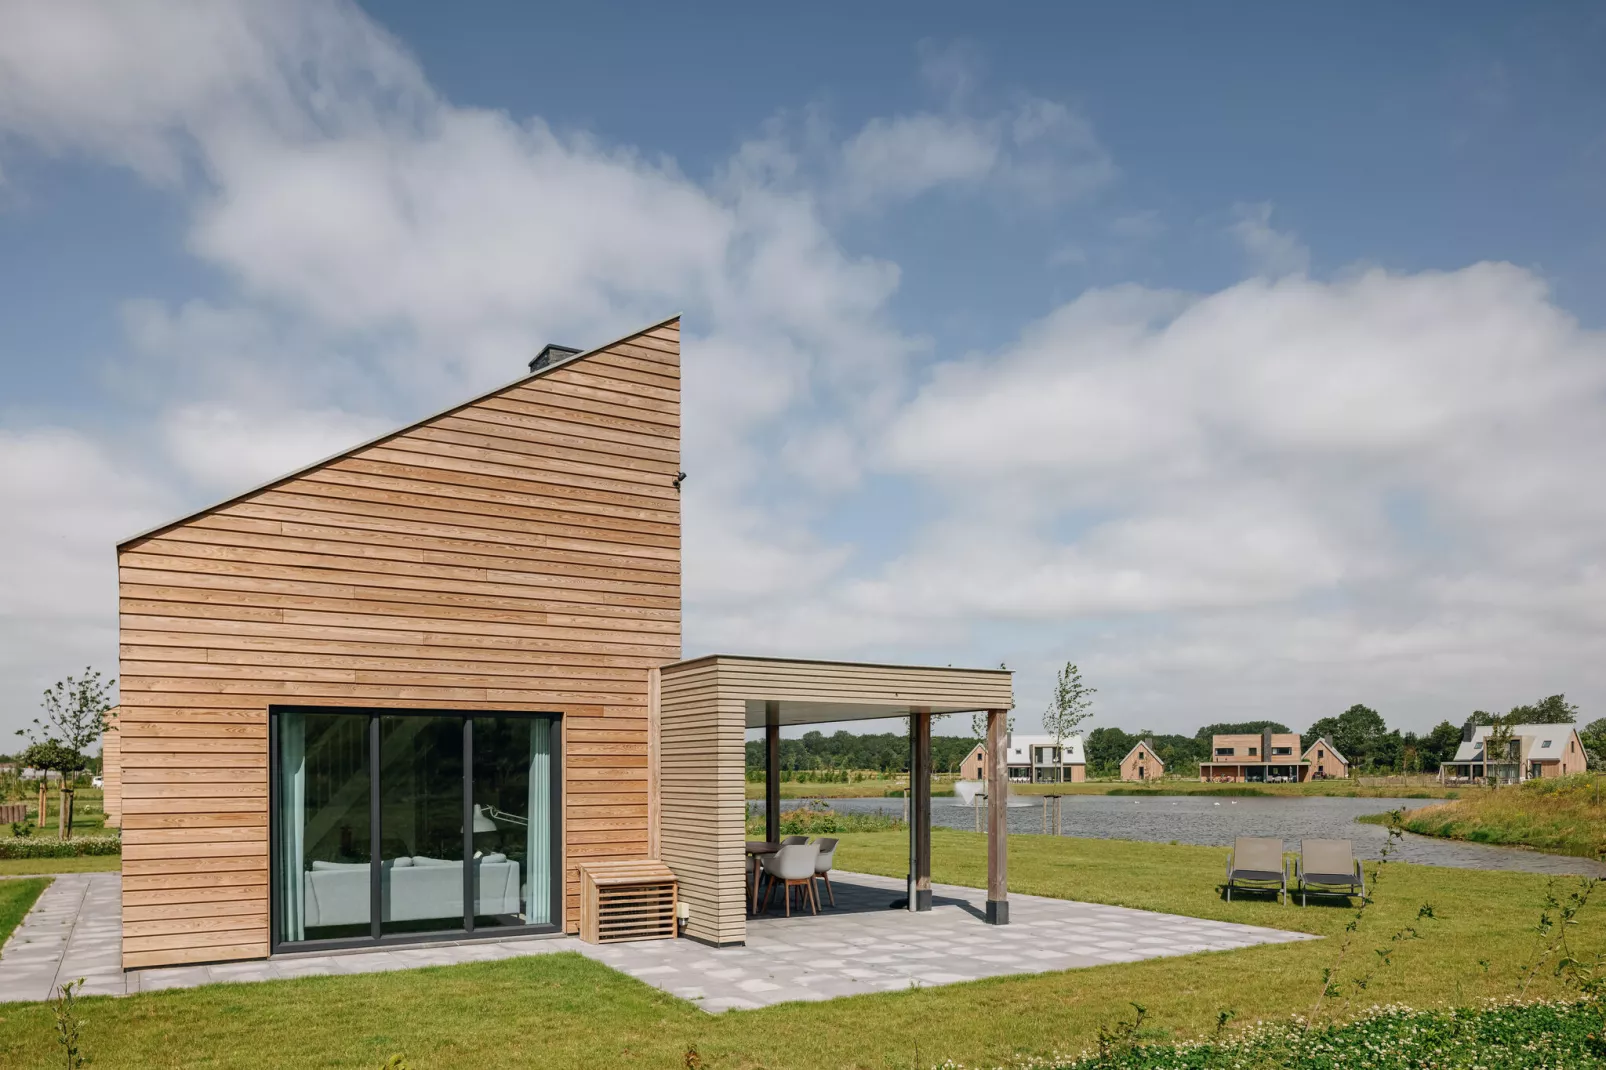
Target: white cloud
column 1269, row 251
column 1282, row 492
column 1037, row 148
column 66, row 501
column 1389, row 482
column 226, row 450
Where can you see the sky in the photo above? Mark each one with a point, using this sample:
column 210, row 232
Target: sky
column 1252, row 359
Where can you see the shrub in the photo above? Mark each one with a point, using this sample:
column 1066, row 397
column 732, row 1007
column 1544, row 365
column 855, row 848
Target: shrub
column 41, row 847
column 818, row 819
column 1495, row 1036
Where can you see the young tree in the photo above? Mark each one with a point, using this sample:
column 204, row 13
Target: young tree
column 1498, row 745
column 50, row 756
column 75, row 717
column 1070, row 705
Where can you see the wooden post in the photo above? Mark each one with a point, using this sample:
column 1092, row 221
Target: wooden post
column 920, row 808
column 997, row 820
column 772, row 772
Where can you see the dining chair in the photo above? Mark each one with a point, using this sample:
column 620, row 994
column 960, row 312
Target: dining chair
column 792, row 867
column 792, row 841
column 822, row 866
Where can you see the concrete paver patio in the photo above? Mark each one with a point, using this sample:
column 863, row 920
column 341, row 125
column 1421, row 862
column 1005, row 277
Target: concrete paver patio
column 860, row 946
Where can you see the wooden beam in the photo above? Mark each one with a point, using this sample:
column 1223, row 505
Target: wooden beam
column 997, row 819
column 920, row 806
column 772, row 771
column 655, row 752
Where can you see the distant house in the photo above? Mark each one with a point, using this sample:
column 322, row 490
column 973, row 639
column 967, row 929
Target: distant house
column 1245, row 757
column 1532, row 751
column 1322, row 762
column 1141, row 763
column 1032, row 760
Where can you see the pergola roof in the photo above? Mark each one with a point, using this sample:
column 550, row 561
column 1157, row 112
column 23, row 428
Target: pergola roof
column 819, row 692
column 698, row 715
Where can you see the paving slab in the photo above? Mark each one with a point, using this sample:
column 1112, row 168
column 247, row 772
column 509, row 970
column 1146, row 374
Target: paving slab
column 861, row 945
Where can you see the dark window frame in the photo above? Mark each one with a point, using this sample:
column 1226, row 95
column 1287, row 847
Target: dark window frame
column 377, row 938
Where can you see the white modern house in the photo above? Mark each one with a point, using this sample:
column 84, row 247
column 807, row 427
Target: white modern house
column 1032, row 760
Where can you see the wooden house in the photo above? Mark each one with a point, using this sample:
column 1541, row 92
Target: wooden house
column 1142, row 763
column 406, row 693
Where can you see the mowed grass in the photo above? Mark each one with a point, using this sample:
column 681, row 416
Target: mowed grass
column 1566, row 815
column 88, row 812
column 565, row 1011
column 16, row 899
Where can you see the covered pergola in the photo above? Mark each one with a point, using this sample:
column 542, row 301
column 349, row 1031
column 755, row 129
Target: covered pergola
column 699, row 714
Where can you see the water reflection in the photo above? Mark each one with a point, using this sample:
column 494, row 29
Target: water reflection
column 1214, row 822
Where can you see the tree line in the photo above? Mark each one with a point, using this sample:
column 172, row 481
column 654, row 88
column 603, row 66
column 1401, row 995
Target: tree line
column 840, row 754
column 1360, row 733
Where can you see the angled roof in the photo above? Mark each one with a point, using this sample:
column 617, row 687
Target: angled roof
column 1549, row 741
column 547, row 369
column 1143, row 744
column 1324, row 741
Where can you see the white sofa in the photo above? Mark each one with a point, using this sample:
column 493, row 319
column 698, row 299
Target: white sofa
column 411, row 889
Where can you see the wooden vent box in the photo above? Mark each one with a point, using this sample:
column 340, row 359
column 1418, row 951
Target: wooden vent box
column 622, row 901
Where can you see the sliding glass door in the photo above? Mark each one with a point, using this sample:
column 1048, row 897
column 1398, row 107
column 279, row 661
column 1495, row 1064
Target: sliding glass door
column 402, row 825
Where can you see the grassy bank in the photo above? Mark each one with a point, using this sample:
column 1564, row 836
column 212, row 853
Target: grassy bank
column 566, row 1011
column 879, row 788
column 1566, row 815
column 16, row 898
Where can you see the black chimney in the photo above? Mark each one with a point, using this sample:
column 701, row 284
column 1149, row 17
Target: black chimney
column 1468, row 730
column 550, row 355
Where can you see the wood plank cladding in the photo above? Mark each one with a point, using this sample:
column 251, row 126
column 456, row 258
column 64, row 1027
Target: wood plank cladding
column 111, row 773
column 520, row 552
column 705, row 707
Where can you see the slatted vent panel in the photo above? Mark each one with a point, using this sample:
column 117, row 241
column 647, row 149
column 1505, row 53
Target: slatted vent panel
column 622, row 901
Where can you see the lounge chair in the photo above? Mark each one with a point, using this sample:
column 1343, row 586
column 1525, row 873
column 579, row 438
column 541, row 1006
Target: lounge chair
column 1328, row 867
column 1257, row 862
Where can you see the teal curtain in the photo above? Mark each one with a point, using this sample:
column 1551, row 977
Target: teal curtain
column 292, row 823
column 538, row 847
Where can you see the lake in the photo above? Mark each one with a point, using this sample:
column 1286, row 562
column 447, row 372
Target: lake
column 1215, row 822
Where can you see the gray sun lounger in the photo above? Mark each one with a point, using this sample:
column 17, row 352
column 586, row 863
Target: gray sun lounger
column 1257, row 862
column 1328, row 867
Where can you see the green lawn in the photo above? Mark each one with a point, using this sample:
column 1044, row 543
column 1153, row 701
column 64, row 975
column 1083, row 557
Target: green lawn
column 88, row 812
column 565, row 1011
column 16, row 899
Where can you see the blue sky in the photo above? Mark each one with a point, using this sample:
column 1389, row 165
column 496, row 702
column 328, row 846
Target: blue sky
column 1251, row 359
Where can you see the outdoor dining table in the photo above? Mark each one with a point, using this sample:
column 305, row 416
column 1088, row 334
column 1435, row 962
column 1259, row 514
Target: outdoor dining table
column 757, row 849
